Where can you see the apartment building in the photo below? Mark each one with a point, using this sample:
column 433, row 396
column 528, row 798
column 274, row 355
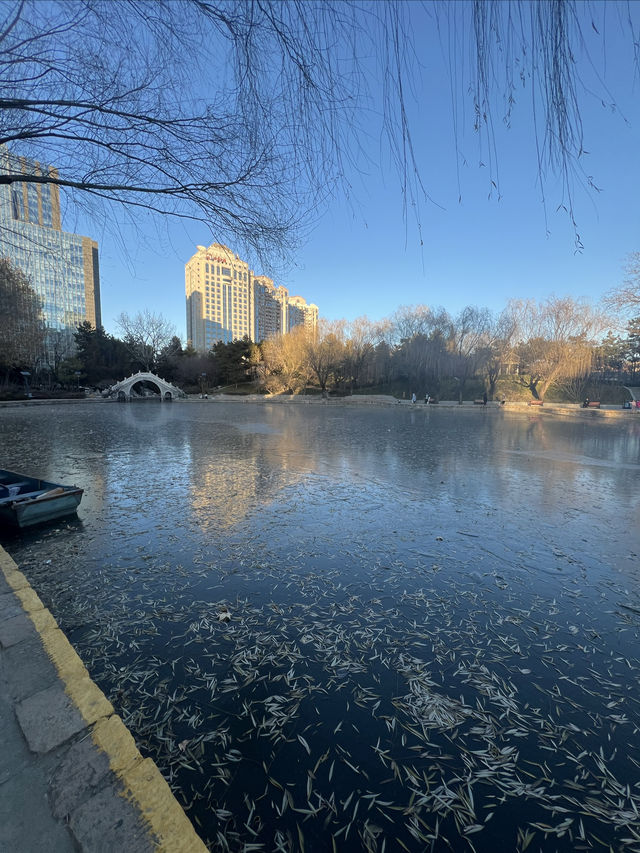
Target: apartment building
column 226, row 301
column 270, row 313
column 63, row 267
column 302, row 314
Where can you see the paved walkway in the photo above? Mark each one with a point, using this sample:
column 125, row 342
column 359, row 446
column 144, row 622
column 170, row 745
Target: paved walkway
column 71, row 777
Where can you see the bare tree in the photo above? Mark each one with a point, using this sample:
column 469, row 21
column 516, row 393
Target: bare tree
column 408, row 321
column 498, row 346
column 246, row 115
column 326, row 352
column 556, row 340
column 425, row 356
column 60, row 345
column 22, row 327
column 145, row 334
column 284, row 366
column 468, row 344
column 625, row 299
column 362, row 337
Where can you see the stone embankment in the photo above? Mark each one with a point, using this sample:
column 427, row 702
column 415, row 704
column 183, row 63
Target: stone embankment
column 562, row 409
column 565, row 409
column 71, row 777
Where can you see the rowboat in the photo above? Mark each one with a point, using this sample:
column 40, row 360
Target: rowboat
column 25, row 501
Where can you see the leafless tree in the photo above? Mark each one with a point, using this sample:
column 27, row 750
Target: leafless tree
column 407, row 322
column 625, row 299
column 556, row 340
column 284, row 366
column 470, row 330
column 245, row 115
column 21, row 323
column 145, row 334
column 326, row 352
column 59, row 345
column 424, row 355
column 361, row 338
column 498, row 346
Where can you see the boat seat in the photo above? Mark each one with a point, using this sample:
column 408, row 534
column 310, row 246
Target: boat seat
column 27, row 495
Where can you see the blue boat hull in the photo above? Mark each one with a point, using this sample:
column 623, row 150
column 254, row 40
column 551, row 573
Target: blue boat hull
column 26, row 501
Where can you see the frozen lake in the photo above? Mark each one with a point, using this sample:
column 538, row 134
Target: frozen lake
column 356, row 628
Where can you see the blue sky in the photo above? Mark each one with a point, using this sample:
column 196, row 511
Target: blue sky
column 364, row 257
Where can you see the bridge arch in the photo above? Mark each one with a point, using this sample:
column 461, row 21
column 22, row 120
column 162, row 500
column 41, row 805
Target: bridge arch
column 125, row 390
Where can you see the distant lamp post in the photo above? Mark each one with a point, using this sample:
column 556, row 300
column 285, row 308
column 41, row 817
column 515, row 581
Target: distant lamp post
column 26, row 374
column 78, row 374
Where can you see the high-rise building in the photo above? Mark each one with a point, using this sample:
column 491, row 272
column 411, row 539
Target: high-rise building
column 62, row 267
column 302, row 314
column 226, row 301
column 219, row 304
column 270, row 308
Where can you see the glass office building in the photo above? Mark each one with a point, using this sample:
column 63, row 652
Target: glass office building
column 62, row 267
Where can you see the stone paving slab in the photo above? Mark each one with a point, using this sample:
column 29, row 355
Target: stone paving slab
column 79, row 776
column 71, row 777
column 93, row 828
column 26, row 669
column 15, row 629
column 48, row 719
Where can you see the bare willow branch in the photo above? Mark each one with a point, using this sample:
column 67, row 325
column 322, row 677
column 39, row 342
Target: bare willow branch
column 248, row 116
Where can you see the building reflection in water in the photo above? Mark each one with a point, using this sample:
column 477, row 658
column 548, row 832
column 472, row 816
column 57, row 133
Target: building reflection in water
column 246, row 466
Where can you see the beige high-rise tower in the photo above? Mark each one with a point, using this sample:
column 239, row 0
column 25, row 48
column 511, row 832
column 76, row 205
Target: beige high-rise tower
column 218, row 290
column 226, row 301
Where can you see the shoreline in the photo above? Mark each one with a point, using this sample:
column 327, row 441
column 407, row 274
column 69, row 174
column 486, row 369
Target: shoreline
column 72, row 777
column 559, row 409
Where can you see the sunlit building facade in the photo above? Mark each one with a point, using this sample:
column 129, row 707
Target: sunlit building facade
column 270, row 308
column 63, row 268
column 302, row 314
column 226, row 301
column 219, row 304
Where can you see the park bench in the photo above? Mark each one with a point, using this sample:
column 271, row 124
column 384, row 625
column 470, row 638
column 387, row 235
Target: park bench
column 536, row 403
column 593, row 404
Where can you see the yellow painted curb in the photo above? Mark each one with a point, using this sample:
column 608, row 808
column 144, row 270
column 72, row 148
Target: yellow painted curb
column 64, row 657
column 145, row 785
column 88, row 699
column 170, row 830
column 43, row 620
column 29, row 598
column 111, row 736
column 15, row 578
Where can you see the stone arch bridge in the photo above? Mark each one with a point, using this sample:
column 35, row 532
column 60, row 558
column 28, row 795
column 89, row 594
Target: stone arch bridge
column 125, row 390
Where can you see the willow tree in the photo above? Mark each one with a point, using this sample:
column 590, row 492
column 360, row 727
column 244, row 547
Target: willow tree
column 284, row 367
column 555, row 341
column 247, row 115
column 325, row 353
